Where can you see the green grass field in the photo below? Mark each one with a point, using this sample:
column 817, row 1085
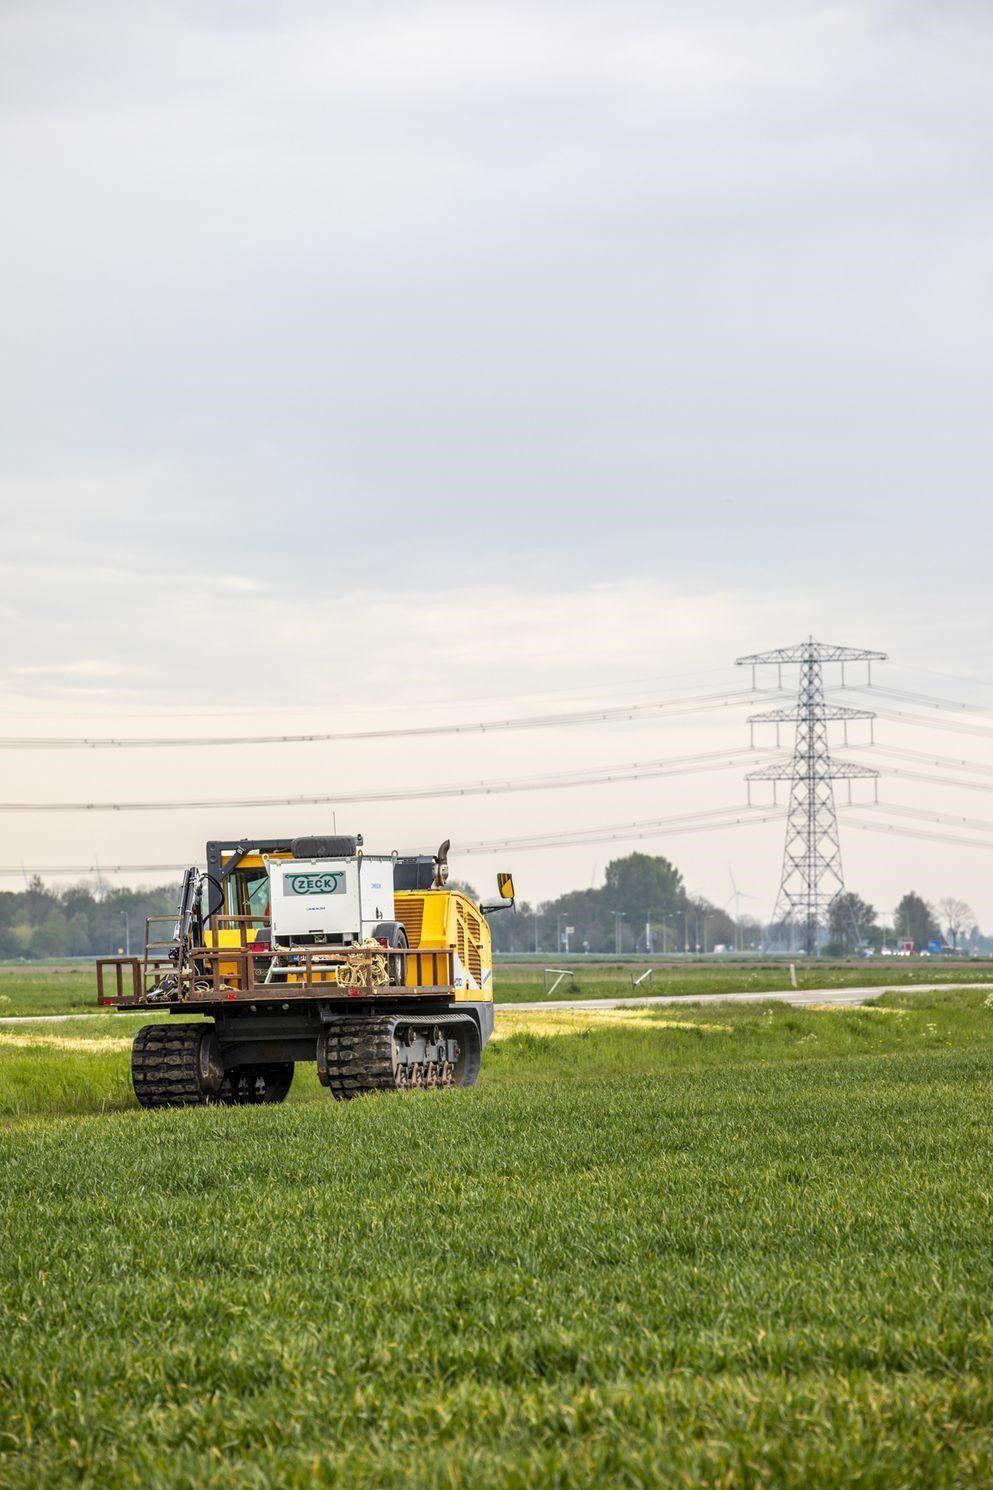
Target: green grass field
column 25, row 990
column 721, row 1246
column 47, row 991
column 522, row 982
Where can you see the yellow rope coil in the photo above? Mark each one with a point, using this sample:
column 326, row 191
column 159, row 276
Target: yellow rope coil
column 365, row 966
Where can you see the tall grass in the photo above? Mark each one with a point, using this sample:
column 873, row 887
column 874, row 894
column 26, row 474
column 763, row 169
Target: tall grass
column 754, row 1256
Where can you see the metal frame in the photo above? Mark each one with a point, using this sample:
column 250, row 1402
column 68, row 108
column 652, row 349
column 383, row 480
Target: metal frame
column 223, row 974
column 562, row 973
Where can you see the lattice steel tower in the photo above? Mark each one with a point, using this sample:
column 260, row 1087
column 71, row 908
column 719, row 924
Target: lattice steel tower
column 812, row 876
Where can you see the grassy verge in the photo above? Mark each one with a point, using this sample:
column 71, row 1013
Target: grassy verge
column 47, row 991
column 72, row 991
column 523, row 982
column 730, row 1247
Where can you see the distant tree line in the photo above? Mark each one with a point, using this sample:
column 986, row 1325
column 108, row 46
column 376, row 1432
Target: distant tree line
column 951, row 923
column 643, row 906
column 76, row 922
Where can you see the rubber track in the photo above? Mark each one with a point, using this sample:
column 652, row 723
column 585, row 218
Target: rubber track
column 164, row 1065
column 359, row 1056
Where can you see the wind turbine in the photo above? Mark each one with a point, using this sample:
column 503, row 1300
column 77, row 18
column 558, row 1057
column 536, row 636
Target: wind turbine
column 737, row 896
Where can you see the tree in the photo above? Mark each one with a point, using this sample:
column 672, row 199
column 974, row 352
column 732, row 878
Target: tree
column 19, row 938
column 583, row 910
column 40, row 922
column 52, row 937
column 37, row 900
column 518, row 931
column 850, row 920
column 958, row 917
column 78, row 935
column 643, row 886
column 915, row 920
column 640, row 889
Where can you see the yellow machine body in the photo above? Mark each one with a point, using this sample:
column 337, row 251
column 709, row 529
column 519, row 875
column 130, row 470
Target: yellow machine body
column 382, row 988
column 448, row 921
column 436, row 920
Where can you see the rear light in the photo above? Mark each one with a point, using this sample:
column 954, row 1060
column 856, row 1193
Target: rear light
column 260, row 944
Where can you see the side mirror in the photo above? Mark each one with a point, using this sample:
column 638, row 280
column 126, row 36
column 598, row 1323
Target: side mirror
column 505, row 884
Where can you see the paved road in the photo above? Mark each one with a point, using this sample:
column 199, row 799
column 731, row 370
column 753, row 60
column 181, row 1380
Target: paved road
column 799, row 998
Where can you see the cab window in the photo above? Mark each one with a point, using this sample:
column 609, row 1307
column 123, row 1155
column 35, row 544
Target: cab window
column 246, row 893
column 257, row 894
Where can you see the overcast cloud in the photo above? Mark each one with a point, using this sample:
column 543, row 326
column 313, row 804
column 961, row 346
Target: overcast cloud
column 479, row 349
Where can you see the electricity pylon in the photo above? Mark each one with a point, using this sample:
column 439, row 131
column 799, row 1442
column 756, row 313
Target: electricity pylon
column 812, row 875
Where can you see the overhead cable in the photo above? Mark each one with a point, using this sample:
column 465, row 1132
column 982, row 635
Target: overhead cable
column 685, row 765
column 951, row 762
column 701, row 703
column 927, row 815
column 708, row 821
column 640, row 828
column 644, row 683
column 937, row 721
column 894, row 828
column 931, row 700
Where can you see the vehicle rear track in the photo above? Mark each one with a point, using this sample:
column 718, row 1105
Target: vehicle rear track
column 165, row 1064
column 357, row 1056
column 179, row 1066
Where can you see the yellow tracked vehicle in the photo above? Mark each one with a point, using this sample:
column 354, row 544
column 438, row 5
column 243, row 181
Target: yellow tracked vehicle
column 309, row 949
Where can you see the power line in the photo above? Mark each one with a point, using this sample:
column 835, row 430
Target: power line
column 933, row 701
column 619, row 833
column 933, row 780
column 904, row 667
column 701, row 703
column 703, row 822
column 563, row 835
column 640, row 684
column 928, row 815
column 722, row 818
column 652, row 828
column 679, row 765
column 956, row 726
column 939, row 706
column 953, row 762
column 894, row 828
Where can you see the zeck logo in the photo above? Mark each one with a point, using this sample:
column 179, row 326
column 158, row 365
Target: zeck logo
column 314, row 884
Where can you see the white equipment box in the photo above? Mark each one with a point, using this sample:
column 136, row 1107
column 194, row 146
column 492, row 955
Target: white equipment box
column 330, row 900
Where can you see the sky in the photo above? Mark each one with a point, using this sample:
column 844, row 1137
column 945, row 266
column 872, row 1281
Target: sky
column 381, row 364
